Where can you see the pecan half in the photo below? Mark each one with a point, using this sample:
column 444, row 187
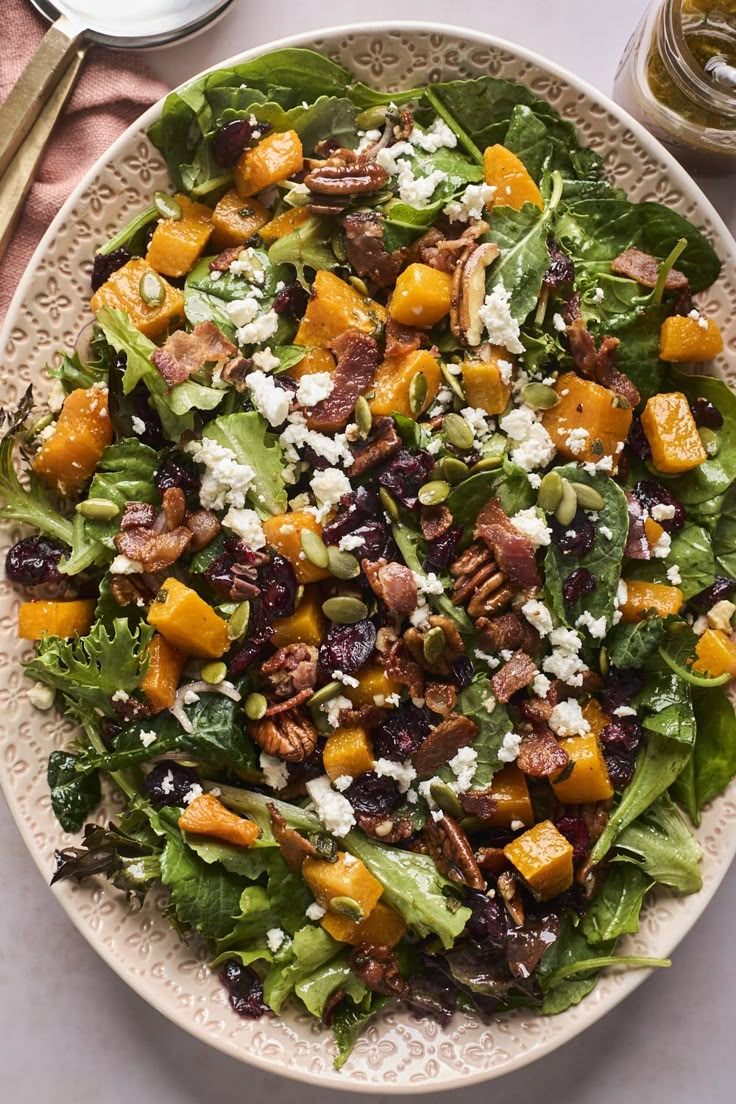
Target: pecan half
column 435, row 521
column 469, row 291
column 449, row 847
column 294, row 848
column 173, row 508
column 479, row 582
column 387, row 829
column 291, row 669
column 401, row 667
column 492, row 859
column 507, row 631
column 288, row 736
column 540, row 755
column 378, row 969
column 382, row 443
column 359, row 178
column 443, row 743
column 365, row 249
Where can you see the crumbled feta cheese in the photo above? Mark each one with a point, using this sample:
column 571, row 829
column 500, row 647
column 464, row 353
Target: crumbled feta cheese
column 484, row 657
column 268, row 398
column 541, row 685
column 438, row 135
column 471, row 204
column 190, row 697
column 195, row 790
column 265, row 360
column 313, row 389
column 226, row 481
column 700, row 624
column 501, row 326
column 509, row 749
column 719, row 616
column 329, row 485
column 139, row 426
column 403, row 774
column 559, row 323
column 343, row 782
column 252, row 327
column 662, row 511
column 605, row 532
column 41, row 696
column 275, row 772
column 416, row 191
column 673, row 575
column 147, row 738
column 274, row 938
column 346, row 680
column 298, row 436
column 367, row 138
column 576, row 440
column 121, row 565
column 596, row 626
column 437, row 815
column 481, row 425
column 350, row 860
column 464, row 765
column 624, row 711
column 167, row 783
column 120, row 696
column 538, row 615
column 334, row 707
column 662, row 548
column 599, row 295
column 622, row 594
column 350, row 542
column 334, row 810
column 315, row 911
column 531, row 523
column 429, row 583
column 249, row 263
column 566, row 719
column 247, row 525
column 56, row 396
column 420, row 616
column 516, row 825
column 564, row 662
column 532, row 445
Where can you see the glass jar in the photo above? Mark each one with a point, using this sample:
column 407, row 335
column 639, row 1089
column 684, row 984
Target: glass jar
column 678, row 77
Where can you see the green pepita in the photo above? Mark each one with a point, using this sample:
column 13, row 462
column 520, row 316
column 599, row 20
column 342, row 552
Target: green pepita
column 568, row 506
column 214, row 673
column 371, row 119
column 487, row 463
column 588, row 497
column 151, row 289
column 238, row 621
column 39, row 426
column 347, row 906
column 431, row 494
column 344, row 610
column 453, row 470
column 359, row 285
column 388, row 504
column 452, row 381
column 709, row 437
column 418, row 394
column 433, row 645
column 325, row 693
column 603, row 664
column 337, row 244
column 98, row 509
column 363, row 416
column 314, row 548
column 167, row 206
column 539, row 396
column 343, row 565
column 549, row 494
column 325, row 846
column 446, row 799
column 457, row 431
column 620, row 401
column 255, row 706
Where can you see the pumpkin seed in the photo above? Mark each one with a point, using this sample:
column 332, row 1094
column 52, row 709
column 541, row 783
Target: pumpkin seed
column 151, row 289
column 214, row 672
column 539, row 396
column 344, row 610
column 709, row 437
column 433, row 645
column 549, row 494
column 588, row 497
column 457, row 431
column 603, row 661
column 359, row 285
column 452, row 381
column 255, row 706
column 100, row 509
column 314, row 548
column 388, row 504
column 431, row 494
column 337, row 244
column 347, row 906
column 418, row 394
column 238, row 621
column 39, row 426
column 363, row 416
column 325, row 693
column 167, row 206
column 342, row 565
column 325, row 846
column 446, row 798
column 620, row 401
column 453, row 470
column 298, row 595
column 568, row 506
column 371, row 119
column 487, row 463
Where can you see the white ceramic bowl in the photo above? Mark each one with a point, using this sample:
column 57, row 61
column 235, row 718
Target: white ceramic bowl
column 398, row 1053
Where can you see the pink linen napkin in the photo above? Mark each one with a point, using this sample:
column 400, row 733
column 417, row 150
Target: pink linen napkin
column 113, row 89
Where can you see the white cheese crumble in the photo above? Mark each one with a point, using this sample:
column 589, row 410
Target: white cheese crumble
column 531, row 523
column 403, row 774
column 329, row 485
column 559, row 323
column 250, row 264
column 275, row 772
column 346, row 680
column 120, row 696
column 464, row 765
column 297, row 436
column 719, row 616
column 624, row 711
column 509, row 749
column 274, row 938
column 343, row 782
column 139, row 426
column 599, row 295
column 195, row 790
column 147, row 738
column 226, row 481
column 265, row 360
column 334, row 810
column 471, row 204
column 435, row 137
column 190, row 697
column 41, row 696
column 334, row 707
column 605, row 532
column 350, row 542
column 662, row 511
column 247, row 525
column 663, row 547
column 501, row 327
column 564, row 662
column 538, row 615
column 531, row 444
column 673, row 575
column 121, row 565
column 576, row 440
column 313, row 389
column 596, row 626
column 315, row 911
column 268, row 398
column 541, row 685
column 566, row 719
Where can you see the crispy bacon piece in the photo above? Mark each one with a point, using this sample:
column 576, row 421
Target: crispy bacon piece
column 537, row 711
column 513, row 552
column 365, row 249
column 402, row 668
column 293, row 847
column 138, row 514
column 600, row 364
column 154, row 551
column 185, row 353
column 540, row 755
column 508, row 630
column 644, row 268
column 204, row 525
column 401, row 339
column 383, row 443
column 366, row 716
column 357, row 361
column 515, row 674
column 435, row 522
column 394, row 584
column 293, row 702
column 291, row 669
column 443, row 743
column 442, row 249
column 222, row 262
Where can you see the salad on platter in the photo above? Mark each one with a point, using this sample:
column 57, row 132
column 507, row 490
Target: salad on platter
column 383, row 548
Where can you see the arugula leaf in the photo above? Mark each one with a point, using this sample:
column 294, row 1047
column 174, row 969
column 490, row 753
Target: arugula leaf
column 315, row 990
column 350, row 1020
column 615, row 909
column 712, row 764
column 409, row 543
column 631, row 645
column 247, row 436
column 73, row 795
column 692, row 551
column 203, row 896
column 312, row 948
column 663, row 846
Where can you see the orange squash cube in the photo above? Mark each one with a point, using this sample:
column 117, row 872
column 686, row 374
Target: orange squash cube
column 276, row 157
column 187, row 622
column 313, row 361
column 510, row 791
column 306, row 625
column 122, row 292
column 508, row 175
column 284, row 532
column 335, row 307
column 348, row 751
column 382, row 928
column 586, row 405
column 685, row 339
column 347, row 877
column 393, row 381
column 69, row 457
column 653, row 531
column 643, row 597
column 207, row 816
column 178, row 243
column 716, row 654
column 421, row 296
column 543, row 857
column 483, row 382
column 588, row 780
column 41, row 618
column 595, row 716
column 165, row 665
column 373, row 682
column 235, row 221
column 672, row 433
column 284, row 224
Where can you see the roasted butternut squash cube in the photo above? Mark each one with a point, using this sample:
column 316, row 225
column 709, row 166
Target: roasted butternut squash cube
column 689, row 339
column 207, row 816
column 41, row 618
column 392, row 384
column 284, row 532
column 543, row 857
column 306, row 625
column 508, row 175
column 382, row 928
column 716, row 654
column 510, row 791
column 653, row 531
column 69, row 457
column 313, row 361
column 276, row 157
column 672, row 433
column 347, row 877
column 187, row 622
column 421, row 296
column 178, row 243
column 483, row 382
column 235, row 221
column 335, row 307
column 588, row 780
column 596, row 716
column 373, row 683
column 122, row 292
column 284, row 224
column 348, row 751
column 643, row 597
column 586, row 406
column 165, row 665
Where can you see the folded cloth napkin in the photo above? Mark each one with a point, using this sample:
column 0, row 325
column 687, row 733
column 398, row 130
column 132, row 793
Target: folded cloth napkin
column 113, row 89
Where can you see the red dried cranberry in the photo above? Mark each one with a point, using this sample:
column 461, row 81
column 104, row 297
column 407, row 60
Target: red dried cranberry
column 622, row 734
column 405, row 474
column 373, row 796
column 105, row 264
column 706, row 414
column 621, row 767
column 292, row 301
column 621, row 687
column 461, row 672
column 34, row 560
column 232, row 138
column 575, row 539
column 561, row 269
column 443, row 550
column 245, row 989
column 650, row 493
column 577, row 584
column 177, row 471
column 637, row 440
column 278, row 587
column 575, row 832
column 367, row 501
column 683, row 302
column 487, row 923
column 168, row 783
column 716, row 592
column 220, row 574
column 109, row 731
column 402, row 732
column 347, row 647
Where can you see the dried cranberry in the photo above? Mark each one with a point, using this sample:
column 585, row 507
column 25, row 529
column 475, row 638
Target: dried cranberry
column 168, row 783
column 487, row 923
column 621, row 767
column 561, row 269
column 219, row 572
column 575, row 539
column 706, row 414
column 716, row 592
column 109, row 731
column 650, row 493
column 371, row 795
column 402, row 732
column 311, row 767
column 461, row 672
column 683, row 302
column 105, row 264
column 244, row 988
column 621, row 686
column 577, row 584
column 232, row 138
column 575, row 832
column 34, row 560
column 405, row 474
column 177, row 471
column 278, row 587
column 291, row 301
column 374, row 534
column 347, row 647
column 367, row 501
column 443, row 550
column 622, row 734
column 637, row 440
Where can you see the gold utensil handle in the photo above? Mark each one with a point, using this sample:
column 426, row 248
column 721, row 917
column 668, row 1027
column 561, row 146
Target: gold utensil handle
column 18, row 177
column 34, row 86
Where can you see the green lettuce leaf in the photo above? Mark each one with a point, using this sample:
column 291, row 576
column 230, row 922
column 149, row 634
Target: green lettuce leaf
column 492, row 727
column 349, row 1022
column 315, row 990
column 203, row 896
column 73, row 795
column 312, row 947
column 663, row 846
column 701, row 490
column 712, row 764
column 615, row 909
column 692, row 551
column 631, row 645
column 247, row 436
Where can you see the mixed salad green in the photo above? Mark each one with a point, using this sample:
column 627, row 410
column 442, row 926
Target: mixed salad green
column 382, row 550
